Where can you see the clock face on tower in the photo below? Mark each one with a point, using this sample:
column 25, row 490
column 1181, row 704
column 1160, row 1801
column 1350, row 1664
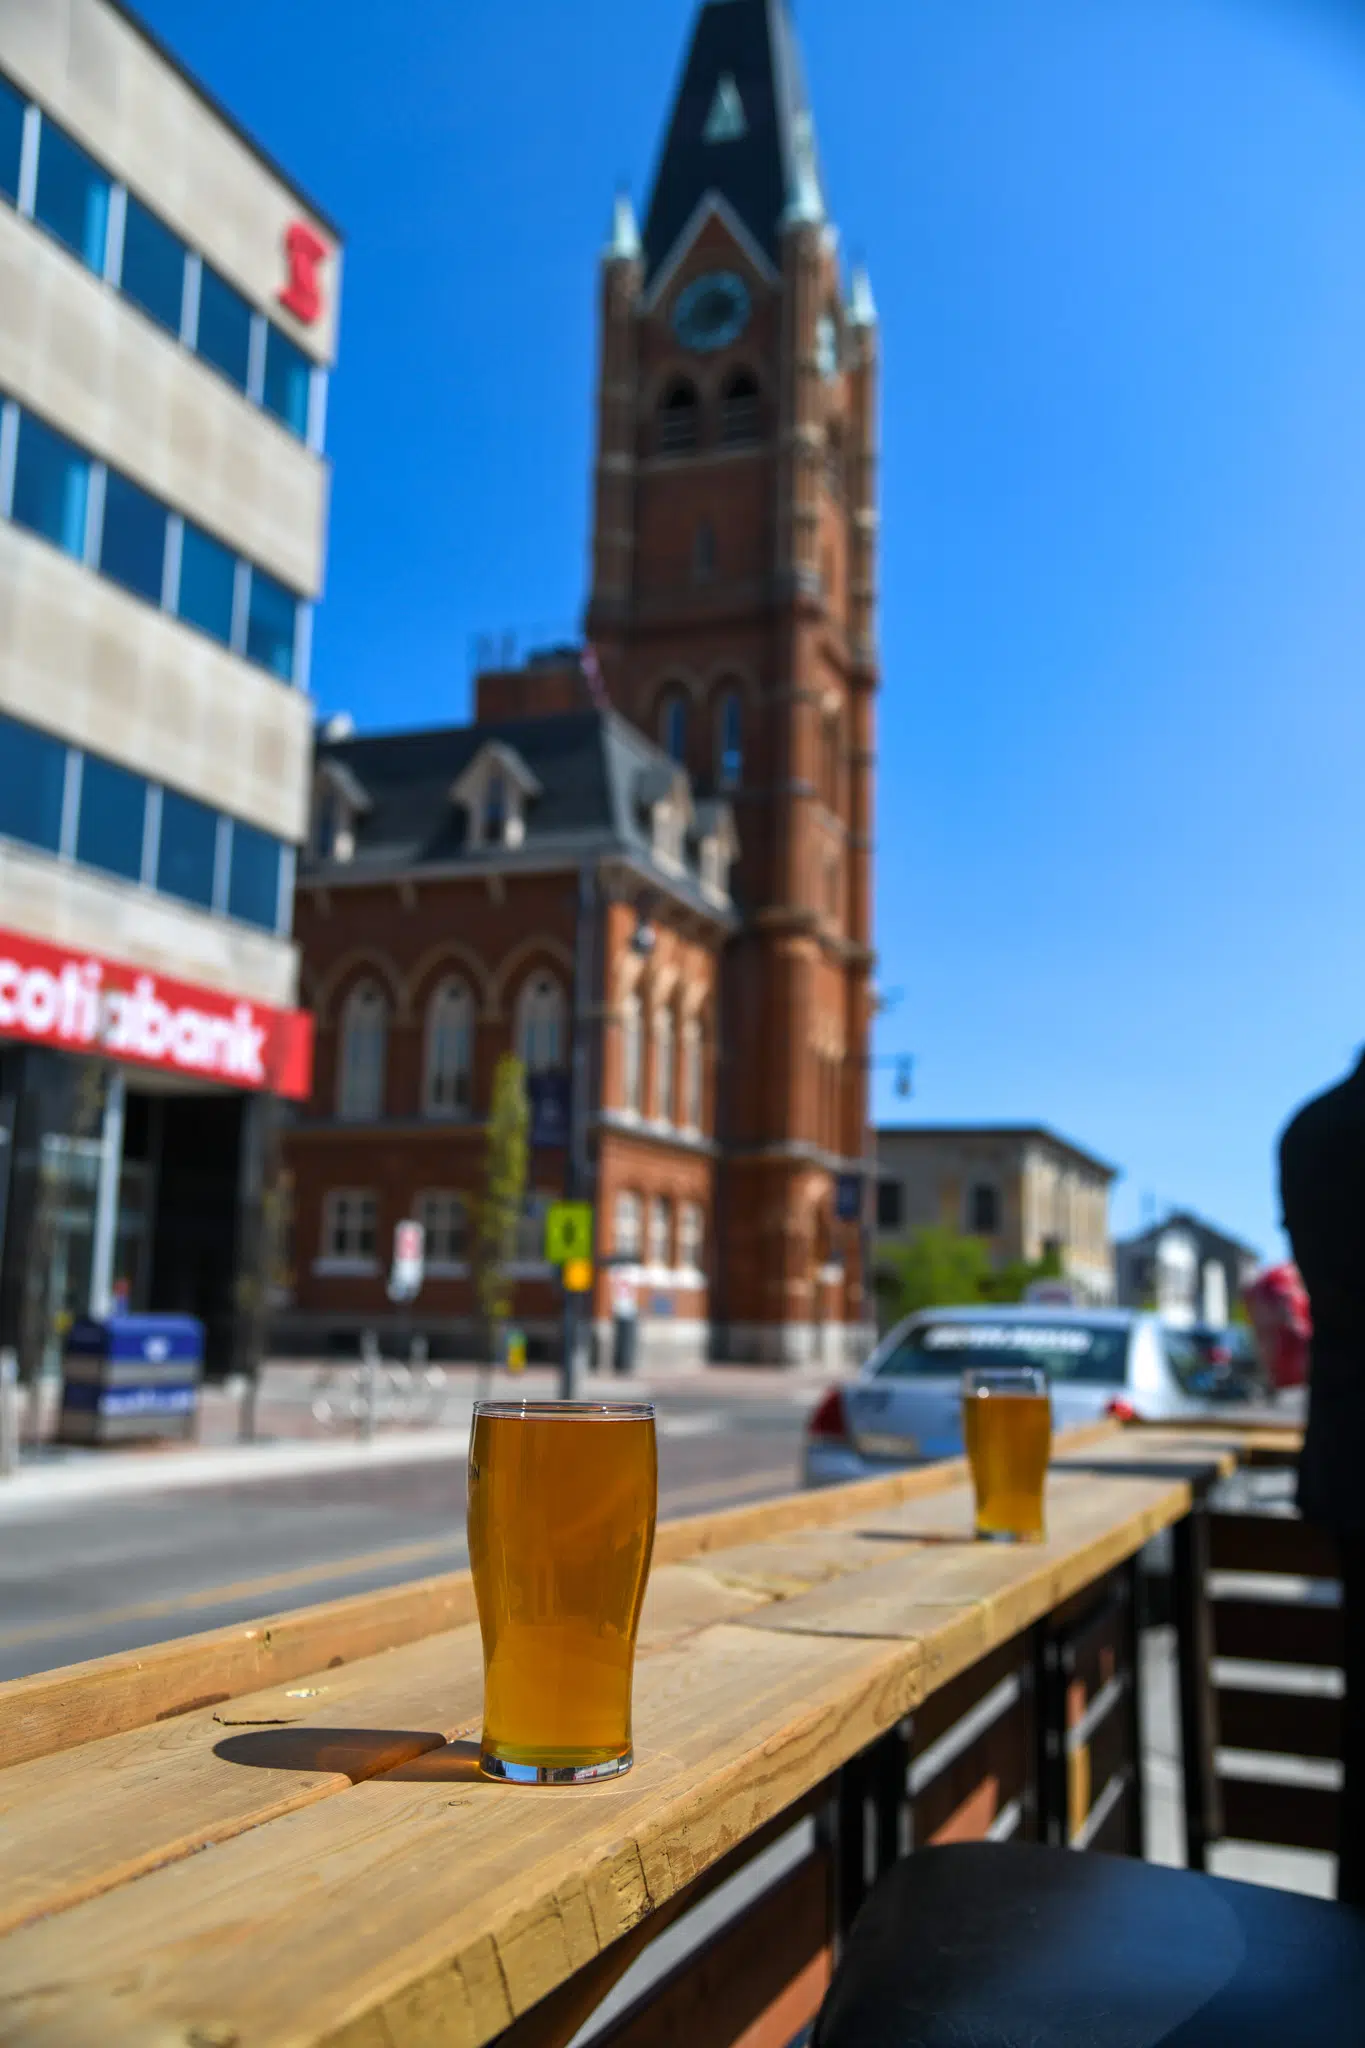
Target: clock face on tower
column 711, row 312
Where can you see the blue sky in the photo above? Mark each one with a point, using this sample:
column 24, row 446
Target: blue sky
column 1117, row 254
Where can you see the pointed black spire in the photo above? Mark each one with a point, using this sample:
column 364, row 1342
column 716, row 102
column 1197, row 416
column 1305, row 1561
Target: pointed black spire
column 741, row 128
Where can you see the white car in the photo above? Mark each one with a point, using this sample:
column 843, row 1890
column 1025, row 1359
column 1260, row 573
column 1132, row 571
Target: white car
column 905, row 1406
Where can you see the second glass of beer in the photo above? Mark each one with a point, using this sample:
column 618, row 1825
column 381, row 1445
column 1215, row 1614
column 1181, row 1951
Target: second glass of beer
column 562, row 1504
column 1007, row 1423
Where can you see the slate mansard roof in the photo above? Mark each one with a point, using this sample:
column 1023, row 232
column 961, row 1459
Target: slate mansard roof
column 592, row 778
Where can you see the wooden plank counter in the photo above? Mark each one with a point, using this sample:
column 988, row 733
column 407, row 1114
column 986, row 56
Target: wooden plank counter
column 277, row 1836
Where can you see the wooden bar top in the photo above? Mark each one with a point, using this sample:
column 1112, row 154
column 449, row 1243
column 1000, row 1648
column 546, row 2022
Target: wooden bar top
column 278, row 1836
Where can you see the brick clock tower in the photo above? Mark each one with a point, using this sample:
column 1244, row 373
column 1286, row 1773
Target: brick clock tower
column 733, row 610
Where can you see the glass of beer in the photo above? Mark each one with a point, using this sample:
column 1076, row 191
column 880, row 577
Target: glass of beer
column 1007, row 1422
column 562, row 1503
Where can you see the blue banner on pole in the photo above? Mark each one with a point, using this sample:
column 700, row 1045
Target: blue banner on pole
column 848, row 1197
column 549, row 1098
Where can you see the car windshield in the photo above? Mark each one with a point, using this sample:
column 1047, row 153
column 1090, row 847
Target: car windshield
column 1089, row 1353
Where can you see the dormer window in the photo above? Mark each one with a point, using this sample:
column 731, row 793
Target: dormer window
column 717, row 847
column 339, row 803
column 495, row 808
column 494, row 792
column 669, row 826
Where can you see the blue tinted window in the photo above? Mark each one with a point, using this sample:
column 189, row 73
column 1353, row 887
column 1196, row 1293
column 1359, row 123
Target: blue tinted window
column 189, row 845
column 51, row 485
column 113, row 810
column 153, row 266
column 287, row 373
column 32, row 775
column 224, row 327
column 133, row 544
column 72, row 200
column 270, row 625
column 254, row 884
column 11, row 139
column 207, row 574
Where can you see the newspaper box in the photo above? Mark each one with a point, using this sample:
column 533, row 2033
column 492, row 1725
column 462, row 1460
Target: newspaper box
column 131, row 1376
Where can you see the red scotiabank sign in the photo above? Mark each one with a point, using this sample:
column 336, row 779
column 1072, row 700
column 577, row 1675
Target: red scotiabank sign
column 78, row 1003
column 301, row 294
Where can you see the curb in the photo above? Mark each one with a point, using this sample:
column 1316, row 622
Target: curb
column 36, row 1488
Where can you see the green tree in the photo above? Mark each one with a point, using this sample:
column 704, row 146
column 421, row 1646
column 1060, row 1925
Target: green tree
column 938, row 1268
column 1012, row 1281
column 504, row 1193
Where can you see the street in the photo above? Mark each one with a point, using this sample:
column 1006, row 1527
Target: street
column 84, row 1579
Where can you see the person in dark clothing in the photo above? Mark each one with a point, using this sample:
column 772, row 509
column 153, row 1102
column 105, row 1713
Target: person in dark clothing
column 1322, row 1194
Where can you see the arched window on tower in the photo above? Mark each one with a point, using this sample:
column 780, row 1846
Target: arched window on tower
column 673, row 726
column 741, row 420
column 679, row 418
column 540, row 1025
column 363, row 1053
column 729, row 740
column 831, row 751
column 703, row 552
column 834, row 458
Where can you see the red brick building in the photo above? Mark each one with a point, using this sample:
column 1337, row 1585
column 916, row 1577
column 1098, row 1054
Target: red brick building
column 733, row 614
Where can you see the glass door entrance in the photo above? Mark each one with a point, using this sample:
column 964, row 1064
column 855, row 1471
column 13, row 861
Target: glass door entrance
column 59, row 1279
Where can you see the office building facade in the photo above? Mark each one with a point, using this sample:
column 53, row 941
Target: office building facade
column 1023, row 1190
column 168, row 318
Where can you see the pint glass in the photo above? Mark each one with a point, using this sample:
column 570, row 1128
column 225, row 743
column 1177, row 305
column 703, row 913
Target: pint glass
column 562, row 1501
column 1007, row 1423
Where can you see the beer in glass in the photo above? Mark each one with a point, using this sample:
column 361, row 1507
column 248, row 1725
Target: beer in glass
column 562, row 1502
column 1007, row 1423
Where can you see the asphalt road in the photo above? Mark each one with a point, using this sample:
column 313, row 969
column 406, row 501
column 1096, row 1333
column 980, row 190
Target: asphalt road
column 120, row 1574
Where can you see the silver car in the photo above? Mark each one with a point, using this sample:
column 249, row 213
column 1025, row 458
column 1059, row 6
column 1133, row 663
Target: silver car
column 905, row 1405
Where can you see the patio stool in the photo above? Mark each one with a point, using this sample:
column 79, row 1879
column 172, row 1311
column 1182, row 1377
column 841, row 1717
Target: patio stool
column 1011, row 1946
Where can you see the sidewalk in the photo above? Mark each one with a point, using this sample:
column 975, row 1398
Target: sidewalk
column 310, row 1419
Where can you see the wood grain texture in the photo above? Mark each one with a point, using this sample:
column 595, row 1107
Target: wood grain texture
column 429, row 1905
column 76, row 1824
column 1093, row 1525
column 423, row 1906
column 55, row 1710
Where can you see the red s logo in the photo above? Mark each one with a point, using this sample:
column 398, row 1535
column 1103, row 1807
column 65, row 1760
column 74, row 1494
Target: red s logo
column 303, row 294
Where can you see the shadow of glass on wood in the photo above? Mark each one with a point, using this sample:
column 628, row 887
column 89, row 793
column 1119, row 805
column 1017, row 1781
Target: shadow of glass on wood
column 354, row 1753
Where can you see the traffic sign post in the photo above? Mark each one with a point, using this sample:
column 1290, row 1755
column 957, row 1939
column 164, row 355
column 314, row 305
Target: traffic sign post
column 568, row 1232
column 578, row 1276
column 409, row 1261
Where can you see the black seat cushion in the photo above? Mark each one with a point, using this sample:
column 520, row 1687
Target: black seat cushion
column 1010, row 1946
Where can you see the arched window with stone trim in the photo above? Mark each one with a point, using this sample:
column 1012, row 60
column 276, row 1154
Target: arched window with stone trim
column 741, row 419
column 673, row 725
column 692, row 1075
column 629, row 1225
column 540, row 1032
column 679, row 420
column 729, row 738
column 448, row 1081
column 632, row 1054
column 660, row 1249
column 665, row 1047
column 363, row 1053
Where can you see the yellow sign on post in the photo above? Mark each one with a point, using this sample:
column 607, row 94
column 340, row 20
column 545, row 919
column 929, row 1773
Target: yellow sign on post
column 568, row 1232
column 578, row 1276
